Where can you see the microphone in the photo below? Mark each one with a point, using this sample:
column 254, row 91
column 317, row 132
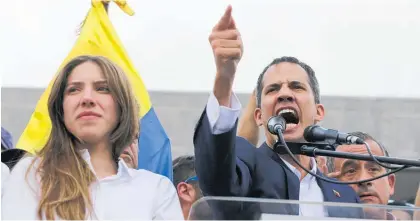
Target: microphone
column 316, row 133
column 276, row 125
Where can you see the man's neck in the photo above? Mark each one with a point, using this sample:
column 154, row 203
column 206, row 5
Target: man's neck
column 186, row 210
column 304, row 160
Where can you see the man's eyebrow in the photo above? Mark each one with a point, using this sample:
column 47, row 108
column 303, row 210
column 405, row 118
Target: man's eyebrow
column 348, row 163
column 296, row 83
column 274, row 85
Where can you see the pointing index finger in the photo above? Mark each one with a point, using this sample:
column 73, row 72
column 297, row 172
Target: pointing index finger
column 226, row 19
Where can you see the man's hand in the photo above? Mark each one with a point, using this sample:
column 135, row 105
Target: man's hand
column 335, row 175
column 247, row 127
column 227, row 47
column 321, row 162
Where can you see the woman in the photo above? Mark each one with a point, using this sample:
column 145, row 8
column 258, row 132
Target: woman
column 77, row 175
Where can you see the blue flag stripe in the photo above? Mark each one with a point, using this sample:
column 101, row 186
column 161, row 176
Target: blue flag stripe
column 154, row 146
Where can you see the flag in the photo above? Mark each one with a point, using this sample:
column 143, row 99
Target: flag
column 98, row 37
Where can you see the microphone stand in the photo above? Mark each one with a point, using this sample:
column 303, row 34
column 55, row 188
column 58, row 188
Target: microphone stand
column 282, row 145
column 328, row 150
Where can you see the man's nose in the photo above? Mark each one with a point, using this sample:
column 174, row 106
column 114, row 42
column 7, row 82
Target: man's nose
column 87, row 99
column 285, row 95
column 363, row 176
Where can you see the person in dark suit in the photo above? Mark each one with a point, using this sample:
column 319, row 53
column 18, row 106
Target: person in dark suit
column 228, row 165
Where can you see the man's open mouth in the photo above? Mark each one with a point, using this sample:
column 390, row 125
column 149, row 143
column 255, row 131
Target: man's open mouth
column 290, row 115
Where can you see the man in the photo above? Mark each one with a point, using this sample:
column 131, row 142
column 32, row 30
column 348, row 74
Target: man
column 230, row 166
column 10, row 156
column 377, row 191
column 247, row 127
column 130, row 155
column 6, row 140
column 186, row 184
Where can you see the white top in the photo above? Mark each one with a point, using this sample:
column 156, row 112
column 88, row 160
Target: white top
column 222, row 119
column 309, row 191
column 5, row 172
column 129, row 195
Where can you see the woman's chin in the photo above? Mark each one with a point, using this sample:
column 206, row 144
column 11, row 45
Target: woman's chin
column 90, row 138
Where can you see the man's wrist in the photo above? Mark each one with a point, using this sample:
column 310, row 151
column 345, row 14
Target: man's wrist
column 222, row 90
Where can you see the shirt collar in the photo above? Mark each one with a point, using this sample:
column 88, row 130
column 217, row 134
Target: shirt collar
column 123, row 169
column 390, row 216
column 296, row 171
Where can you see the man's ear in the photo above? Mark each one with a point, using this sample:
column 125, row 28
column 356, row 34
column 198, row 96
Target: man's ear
column 258, row 116
column 320, row 112
column 185, row 193
column 391, row 180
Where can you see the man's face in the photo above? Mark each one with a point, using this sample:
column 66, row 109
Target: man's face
column 286, row 88
column 130, row 155
column 373, row 192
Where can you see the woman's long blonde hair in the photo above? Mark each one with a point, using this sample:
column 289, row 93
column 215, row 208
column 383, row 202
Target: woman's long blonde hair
column 65, row 176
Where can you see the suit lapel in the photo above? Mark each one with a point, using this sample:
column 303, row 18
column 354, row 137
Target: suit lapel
column 292, row 181
column 330, row 194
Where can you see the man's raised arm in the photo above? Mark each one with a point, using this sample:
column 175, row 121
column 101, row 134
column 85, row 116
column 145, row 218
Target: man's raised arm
column 217, row 166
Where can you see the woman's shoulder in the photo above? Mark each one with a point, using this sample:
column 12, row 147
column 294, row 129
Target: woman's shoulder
column 145, row 175
column 25, row 162
column 24, row 174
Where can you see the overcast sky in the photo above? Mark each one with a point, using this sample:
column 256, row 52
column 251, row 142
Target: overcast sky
column 357, row 48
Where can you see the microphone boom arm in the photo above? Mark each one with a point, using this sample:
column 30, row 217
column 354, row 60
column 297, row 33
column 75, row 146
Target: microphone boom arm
column 328, row 150
column 314, row 151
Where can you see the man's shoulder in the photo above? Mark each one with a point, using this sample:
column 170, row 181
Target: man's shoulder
column 244, row 149
column 342, row 192
column 244, row 144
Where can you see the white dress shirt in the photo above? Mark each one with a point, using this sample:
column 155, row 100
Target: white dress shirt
column 5, row 172
column 222, row 119
column 129, row 195
column 309, row 191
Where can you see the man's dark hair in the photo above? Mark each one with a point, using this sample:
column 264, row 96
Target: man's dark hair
column 365, row 137
column 313, row 82
column 183, row 168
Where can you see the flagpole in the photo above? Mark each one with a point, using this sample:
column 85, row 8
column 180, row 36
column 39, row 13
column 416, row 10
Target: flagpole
column 106, row 5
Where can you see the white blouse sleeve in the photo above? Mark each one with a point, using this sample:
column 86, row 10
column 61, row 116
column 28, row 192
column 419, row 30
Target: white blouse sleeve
column 167, row 206
column 19, row 200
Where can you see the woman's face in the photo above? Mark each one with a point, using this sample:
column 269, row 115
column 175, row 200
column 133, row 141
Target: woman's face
column 90, row 111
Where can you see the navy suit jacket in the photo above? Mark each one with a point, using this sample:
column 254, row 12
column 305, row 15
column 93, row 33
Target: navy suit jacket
column 228, row 165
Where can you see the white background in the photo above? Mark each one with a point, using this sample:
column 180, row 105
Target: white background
column 357, row 48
